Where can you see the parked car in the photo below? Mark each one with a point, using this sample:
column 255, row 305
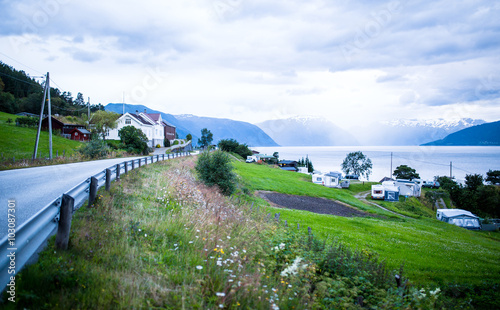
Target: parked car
column 431, row 184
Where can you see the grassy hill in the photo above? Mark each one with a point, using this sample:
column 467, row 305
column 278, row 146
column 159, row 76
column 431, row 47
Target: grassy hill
column 160, row 239
column 432, row 251
column 19, row 142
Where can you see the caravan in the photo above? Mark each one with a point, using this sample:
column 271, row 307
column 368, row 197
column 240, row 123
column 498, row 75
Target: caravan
column 387, row 191
column 409, row 188
column 459, row 217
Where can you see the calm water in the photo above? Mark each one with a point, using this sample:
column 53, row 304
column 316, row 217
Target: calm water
column 429, row 161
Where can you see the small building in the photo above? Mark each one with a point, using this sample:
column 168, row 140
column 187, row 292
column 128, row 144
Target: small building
column 59, row 126
column 459, row 217
column 80, row 134
column 317, row 177
column 409, row 188
column 288, row 165
column 332, row 179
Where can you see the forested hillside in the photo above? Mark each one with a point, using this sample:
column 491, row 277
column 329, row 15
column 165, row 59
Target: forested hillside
column 21, row 93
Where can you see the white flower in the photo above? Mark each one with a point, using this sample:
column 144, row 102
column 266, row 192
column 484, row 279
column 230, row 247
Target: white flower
column 145, row 235
column 435, row 292
column 294, row 268
column 220, row 294
column 199, row 267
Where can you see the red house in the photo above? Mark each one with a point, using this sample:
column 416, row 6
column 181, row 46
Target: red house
column 80, row 134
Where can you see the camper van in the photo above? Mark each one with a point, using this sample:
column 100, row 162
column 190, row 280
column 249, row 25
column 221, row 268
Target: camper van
column 387, row 192
column 378, row 192
column 409, row 188
column 459, row 217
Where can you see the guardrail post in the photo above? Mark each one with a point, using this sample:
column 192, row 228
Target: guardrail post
column 157, row 158
column 162, row 156
column 64, row 227
column 93, row 190
column 108, row 179
column 145, row 161
column 133, row 164
column 140, row 159
column 152, row 158
column 118, row 172
column 126, row 167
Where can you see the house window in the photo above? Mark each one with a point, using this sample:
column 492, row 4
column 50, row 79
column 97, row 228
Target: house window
column 128, row 121
column 107, row 132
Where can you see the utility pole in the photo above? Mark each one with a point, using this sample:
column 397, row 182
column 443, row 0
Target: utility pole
column 88, row 106
column 40, row 122
column 49, row 117
column 391, row 166
column 451, row 168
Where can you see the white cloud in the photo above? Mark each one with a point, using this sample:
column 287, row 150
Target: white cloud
column 258, row 60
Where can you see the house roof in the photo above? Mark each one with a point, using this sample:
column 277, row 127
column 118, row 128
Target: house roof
column 289, row 168
column 81, row 130
column 140, row 119
column 287, row 162
column 167, row 124
column 154, row 116
column 386, row 179
column 334, row 174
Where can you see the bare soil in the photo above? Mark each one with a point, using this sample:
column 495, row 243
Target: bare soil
column 311, row 204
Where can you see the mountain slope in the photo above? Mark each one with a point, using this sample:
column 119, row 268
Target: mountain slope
column 307, row 131
column 411, row 131
column 221, row 128
column 485, row 134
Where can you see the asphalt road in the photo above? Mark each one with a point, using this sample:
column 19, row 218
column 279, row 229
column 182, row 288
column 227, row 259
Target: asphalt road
column 34, row 188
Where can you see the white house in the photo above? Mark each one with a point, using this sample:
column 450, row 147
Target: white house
column 151, row 125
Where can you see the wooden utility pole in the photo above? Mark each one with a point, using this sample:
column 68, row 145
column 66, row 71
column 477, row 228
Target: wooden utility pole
column 49, row 116
column 46, row 96
column 451, row 170
column 391, row 166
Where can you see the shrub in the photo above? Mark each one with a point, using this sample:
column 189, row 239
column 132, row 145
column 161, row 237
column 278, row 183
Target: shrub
column 158, row 146
column 176, row 142
column 134, row 140
column 166, row 143
column 232, row 146
column 95, row 149
column 215, row 169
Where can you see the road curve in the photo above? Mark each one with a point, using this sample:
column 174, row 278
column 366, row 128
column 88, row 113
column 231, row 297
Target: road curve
column 34, row 188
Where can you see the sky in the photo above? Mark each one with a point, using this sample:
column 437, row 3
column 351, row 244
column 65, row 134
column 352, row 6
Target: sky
column 352, row 62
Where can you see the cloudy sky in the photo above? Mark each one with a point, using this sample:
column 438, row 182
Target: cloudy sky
column 253, row 60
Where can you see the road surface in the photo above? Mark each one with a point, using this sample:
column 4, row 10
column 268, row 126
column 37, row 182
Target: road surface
column 34, row 188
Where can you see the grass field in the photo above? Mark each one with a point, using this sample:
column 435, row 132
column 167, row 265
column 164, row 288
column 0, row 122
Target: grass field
column 432, row 251
column 19, row 142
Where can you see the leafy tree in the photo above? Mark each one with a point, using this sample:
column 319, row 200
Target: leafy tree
column 405, row 172
column 206, row 138
column 134, row 140
column 79, row 100
column 102, row 121
column 189, row 137
column 493, row 177
column 357, row 163
column 216, row 169
column 231, row 145
column 473, row 181
column 276, row 155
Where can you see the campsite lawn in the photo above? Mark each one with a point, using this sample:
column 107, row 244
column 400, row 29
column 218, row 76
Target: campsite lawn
column 432, row 252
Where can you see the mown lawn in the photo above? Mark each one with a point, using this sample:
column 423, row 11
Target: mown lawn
column 19, row 142
column 432, row 251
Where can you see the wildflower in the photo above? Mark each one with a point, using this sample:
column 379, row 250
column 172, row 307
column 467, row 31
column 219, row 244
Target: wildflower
column 221, row 306
column 294, row 268
column 199, row 267
column 435, row 292
column 220, row 294
column 190, row 242
column 145, row 235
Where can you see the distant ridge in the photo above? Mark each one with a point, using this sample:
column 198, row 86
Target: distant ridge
column 307, row 131
column 480, row 135
column 221, row 128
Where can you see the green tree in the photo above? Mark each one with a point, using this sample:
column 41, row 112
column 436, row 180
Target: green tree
column 134, row 140
column 102, row 121
column 216, row 169
column 206, row 138
column 493, row 177
column 357, row 163
column 276, row 155
column 473, row 182
column 405, row 172
column 189, row 137
column 79, row 101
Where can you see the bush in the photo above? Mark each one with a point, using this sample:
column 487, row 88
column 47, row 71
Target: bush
column 176, row 142
column 166, row 143
column 158, row 146
column 232, row 146
column 134, row 140
column 215, row 169
column 26, row 121
column 95, row 149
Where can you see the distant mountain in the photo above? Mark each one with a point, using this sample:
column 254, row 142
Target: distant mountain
column 307, row 131
column 485, row 134
column 221, row 128
column 411, row 131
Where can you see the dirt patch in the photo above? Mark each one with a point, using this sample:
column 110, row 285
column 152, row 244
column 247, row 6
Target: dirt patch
column 311, row 204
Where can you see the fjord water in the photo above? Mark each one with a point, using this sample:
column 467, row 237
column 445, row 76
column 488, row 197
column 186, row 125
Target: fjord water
column 428, row 161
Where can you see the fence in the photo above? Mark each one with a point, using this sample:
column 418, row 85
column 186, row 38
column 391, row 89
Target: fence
column 17, row 248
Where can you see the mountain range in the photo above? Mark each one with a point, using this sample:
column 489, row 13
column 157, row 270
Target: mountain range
column 307, row 131
column 484, row 135
column 410, row 131
column 220, row 128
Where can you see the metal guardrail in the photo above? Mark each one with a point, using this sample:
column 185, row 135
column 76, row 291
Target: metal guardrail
column 17, row 247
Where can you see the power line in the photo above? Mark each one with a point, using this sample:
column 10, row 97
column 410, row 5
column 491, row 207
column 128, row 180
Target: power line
column 12, row 77
column 22, row 63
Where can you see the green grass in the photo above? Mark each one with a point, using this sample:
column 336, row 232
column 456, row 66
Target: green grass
column 272, row 178
column 432, row 251
column 19, row 142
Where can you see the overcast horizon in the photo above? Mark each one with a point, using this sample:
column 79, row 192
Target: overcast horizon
column 352, row 62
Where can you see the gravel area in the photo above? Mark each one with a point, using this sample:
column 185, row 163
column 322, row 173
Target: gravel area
column 312, row 204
